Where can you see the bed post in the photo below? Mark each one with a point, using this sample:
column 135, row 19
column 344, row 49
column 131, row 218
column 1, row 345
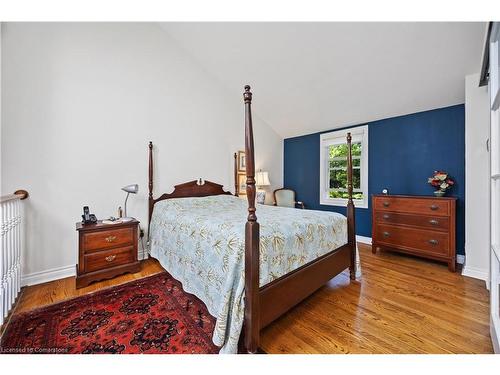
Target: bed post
column 351, row 231
column 236, row 188
column 252, row 236
column 150, row 185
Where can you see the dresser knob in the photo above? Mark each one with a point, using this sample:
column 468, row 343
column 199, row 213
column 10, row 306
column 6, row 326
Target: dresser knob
column 434, row 207
column 110, row 258
column 433, row 222
column 433, row 242
column 386, row 234
column 385, row 216
column 110, row 238
column 386, row 204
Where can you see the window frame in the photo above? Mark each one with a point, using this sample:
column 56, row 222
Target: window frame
column 494, row 80
column 359, row 134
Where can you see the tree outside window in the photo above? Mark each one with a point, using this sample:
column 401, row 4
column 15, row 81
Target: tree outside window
column 338, row 171
column 333, row 167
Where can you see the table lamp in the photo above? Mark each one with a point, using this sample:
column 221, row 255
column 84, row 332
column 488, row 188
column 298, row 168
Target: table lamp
column 261, row 179
column 134, row 189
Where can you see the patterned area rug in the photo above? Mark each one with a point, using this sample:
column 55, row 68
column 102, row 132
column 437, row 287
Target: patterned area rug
column 150, row 315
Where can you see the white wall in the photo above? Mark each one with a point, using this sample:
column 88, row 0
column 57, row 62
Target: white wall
column 477, row 218
column 1, row 191
column 80, row 103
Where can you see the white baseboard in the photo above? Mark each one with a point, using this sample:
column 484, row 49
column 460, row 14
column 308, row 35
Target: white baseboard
column 476, row 273
column 363, row 239
column 494, row 329
column 48, row 275
column 60, row 273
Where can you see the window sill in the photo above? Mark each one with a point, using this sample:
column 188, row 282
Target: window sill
column 343, row 203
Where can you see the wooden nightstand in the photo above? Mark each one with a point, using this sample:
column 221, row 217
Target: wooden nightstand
column 105, row 251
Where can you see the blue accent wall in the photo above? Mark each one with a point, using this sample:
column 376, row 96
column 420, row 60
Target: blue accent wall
column 403, row 152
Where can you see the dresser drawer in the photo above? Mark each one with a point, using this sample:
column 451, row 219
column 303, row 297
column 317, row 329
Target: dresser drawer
column 434, row 207
column 109, row 258
column 428, row 222
column 107, row 239
column 420, row 240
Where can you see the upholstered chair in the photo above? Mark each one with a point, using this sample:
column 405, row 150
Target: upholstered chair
column 286, row 198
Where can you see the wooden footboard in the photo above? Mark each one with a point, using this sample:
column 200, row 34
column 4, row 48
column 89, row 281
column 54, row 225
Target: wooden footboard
column 284, row 293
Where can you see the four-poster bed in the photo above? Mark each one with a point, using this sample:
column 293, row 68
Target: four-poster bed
column 282, row 284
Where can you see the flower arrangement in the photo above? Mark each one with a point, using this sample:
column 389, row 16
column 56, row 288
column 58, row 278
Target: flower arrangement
column 441, row 181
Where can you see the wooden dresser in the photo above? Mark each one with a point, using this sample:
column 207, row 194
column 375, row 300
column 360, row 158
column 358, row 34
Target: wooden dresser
column 418, row 225
column 105, row 251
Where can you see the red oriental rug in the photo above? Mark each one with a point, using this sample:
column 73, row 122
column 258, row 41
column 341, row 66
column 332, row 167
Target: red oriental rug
column 150, row 315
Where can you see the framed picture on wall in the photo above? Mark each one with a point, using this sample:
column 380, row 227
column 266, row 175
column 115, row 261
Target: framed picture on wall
column 242, row 184
column 241, row 161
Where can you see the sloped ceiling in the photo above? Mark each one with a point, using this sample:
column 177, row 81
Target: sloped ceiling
column 309, row 77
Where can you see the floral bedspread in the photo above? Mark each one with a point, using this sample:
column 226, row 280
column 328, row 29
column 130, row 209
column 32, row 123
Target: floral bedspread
column 201, row 242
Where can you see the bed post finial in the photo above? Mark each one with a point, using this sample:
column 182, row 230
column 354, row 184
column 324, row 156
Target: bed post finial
column 150, row 185
column 247, row 95
column 252, row 236
column 351, row 233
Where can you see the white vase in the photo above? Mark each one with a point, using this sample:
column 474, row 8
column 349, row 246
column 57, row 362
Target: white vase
column 440, row 193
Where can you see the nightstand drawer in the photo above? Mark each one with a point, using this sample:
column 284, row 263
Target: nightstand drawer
column 109, row 258
column 108, row 238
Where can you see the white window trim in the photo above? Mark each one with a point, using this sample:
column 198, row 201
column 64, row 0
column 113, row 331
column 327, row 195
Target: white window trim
column 359, row 134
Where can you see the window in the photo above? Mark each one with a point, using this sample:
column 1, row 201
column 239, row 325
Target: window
column 333, row 167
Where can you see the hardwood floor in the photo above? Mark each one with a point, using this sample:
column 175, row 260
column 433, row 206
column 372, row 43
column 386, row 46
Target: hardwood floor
column 40, row 295
column 400, row 305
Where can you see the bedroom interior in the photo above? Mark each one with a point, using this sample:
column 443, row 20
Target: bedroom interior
column 294, row 188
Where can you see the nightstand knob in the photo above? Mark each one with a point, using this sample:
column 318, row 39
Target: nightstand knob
column 110, row 238
column 433, row 222
column 386, row 204
column 433, row 242
column 386, row 234
column 110, row 258
column 386, row 216
column 434, row 207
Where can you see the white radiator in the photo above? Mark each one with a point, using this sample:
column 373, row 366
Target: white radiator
column 10, row 252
